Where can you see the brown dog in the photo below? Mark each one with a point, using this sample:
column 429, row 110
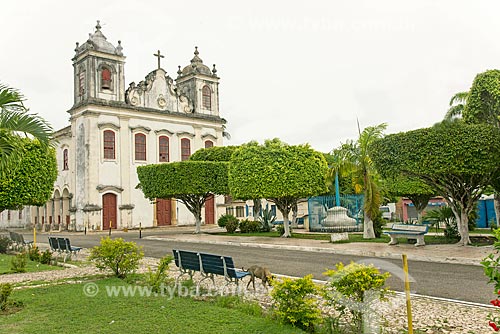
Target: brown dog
column 260, row 272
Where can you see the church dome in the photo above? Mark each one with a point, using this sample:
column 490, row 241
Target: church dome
column 97, row 41
column 196, row 66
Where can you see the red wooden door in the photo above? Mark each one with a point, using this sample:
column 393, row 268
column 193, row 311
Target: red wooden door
column 210, row 210
column 163, row 211
column 108, row 211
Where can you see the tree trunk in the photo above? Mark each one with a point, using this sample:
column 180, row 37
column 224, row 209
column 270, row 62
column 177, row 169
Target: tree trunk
column 287, row 233
column 257, row 206
column 197, row 217
column 463, row 228
column 496, row 204
column 368, row 232
column 294, row 216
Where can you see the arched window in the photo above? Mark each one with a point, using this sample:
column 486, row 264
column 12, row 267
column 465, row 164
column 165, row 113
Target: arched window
column 207, row 97
column 105, row 78
column 109, row 144
column 185, row 149
column 140, row 147
column 65, row 159
column 163, row 149
column 209, row 143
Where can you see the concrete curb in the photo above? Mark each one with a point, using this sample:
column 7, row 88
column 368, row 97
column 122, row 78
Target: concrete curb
column 450, row 260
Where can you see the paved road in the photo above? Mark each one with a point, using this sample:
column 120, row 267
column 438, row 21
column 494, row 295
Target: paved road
column 461, row 282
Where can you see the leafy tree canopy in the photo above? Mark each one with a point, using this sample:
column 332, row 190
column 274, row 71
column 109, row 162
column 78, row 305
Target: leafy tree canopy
column 183, row 178
column 275, row 170
column 30, row 180
column 216, row 153
column 483, row 101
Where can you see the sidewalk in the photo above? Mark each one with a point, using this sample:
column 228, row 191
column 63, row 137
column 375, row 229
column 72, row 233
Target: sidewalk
column 449, row 253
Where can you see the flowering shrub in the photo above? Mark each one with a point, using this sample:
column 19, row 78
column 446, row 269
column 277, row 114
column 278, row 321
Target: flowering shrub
column 491, row 265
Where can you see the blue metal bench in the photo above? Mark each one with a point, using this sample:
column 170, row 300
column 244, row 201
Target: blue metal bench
column 407, row 231
column 63, row 245
column 18, row 239
column 208, row 265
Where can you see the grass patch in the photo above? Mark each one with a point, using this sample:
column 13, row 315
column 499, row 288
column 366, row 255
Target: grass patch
column 65, row 309
column 31, row 266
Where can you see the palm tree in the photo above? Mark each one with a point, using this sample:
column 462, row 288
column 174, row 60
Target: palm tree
column 457, row 105
column 15, row 122
column 354, row 157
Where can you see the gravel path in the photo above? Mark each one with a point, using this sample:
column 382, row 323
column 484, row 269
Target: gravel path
column 429, row 315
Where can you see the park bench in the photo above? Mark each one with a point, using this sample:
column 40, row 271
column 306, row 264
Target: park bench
column 63, row 245
column 207, row 265
column 407, row 231
column 18, row 239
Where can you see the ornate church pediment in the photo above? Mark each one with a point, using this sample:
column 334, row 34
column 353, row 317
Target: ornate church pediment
column 158, row 91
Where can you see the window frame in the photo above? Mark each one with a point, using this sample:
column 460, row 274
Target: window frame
column 106, row 149
column 184, row 156
column 163, row 149
column 142, row 154
column 206, row 97
column 106, row 84
column 65, row 159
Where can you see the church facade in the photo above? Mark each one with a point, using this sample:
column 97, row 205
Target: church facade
column 114, row 128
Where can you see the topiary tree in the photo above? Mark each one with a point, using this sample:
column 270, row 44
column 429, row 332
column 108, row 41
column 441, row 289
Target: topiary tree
column 483, row 107
column 30, row 181
column 215, row 153
column 282, row 173
column 191, row 182
column 455, row 159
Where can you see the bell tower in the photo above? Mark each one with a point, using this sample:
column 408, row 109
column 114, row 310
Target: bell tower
column 200, row 84
column 98, row 70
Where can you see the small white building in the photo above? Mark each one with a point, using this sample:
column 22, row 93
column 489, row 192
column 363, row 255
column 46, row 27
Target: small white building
column 113, row 130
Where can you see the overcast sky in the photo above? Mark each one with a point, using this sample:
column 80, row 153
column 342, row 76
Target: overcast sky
column 300, row 71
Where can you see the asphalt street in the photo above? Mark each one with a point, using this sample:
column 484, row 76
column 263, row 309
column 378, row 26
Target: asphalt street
column 454, row 281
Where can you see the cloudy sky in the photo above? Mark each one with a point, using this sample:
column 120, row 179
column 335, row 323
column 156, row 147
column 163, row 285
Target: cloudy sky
column 303, row 71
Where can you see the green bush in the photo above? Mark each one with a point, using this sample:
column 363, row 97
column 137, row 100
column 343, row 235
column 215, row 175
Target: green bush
column 119, row 256
column 5, row 291
column 18, row 263
column 5, row 243
column 159, row 277
column 46, row 257
column 352, row 289
column 222, row 221
column 232, row 225
column 378, row 224
column 295, row 302
column 249, row 226
column 34, row 254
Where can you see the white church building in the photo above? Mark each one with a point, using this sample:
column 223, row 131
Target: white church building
column 113, row 129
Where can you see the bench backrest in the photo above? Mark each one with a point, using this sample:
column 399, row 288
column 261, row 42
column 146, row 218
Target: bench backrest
column 408, row 227
column 212, row 264
column 53, row 243
column 187, row 260
column 61, row 243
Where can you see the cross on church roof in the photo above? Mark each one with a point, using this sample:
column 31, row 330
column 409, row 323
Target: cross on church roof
column 158, row 55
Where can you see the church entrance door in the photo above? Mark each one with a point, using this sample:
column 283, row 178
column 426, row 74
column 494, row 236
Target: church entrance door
column 163, row 211
column 210, row 210
column 109, row 211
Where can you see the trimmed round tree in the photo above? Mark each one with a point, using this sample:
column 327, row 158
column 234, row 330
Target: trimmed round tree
column 30, row 180
column 215, row 153
column 455, row 159
column 281, row 173
column 418, row 192
column 191, row 182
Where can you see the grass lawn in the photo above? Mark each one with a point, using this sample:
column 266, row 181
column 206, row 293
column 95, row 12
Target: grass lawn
column 30, row 265
column 65, row 309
